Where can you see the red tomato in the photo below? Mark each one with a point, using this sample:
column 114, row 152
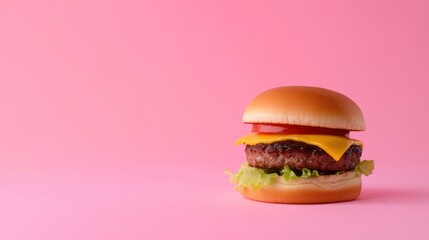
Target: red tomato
column 295, row 129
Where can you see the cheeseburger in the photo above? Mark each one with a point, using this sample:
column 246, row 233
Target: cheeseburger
column 299, row 149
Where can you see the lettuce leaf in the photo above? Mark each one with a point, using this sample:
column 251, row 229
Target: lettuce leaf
column 365, row 167
column 256, row 178
column 288, row 174
column 251, row 177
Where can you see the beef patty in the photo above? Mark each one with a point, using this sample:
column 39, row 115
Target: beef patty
column 299, row 155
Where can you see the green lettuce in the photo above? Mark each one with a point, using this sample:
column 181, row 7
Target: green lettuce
column 288, row 174
column 251, row 177
column 365, row 167
column 256, row 178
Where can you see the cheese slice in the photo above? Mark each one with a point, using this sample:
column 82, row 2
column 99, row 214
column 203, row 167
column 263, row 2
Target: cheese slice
column 335, row 146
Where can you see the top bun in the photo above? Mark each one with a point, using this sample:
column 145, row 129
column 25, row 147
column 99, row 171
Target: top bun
column 305, row 106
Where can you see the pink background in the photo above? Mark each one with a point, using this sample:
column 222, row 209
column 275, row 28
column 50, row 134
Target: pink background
column 117, row 118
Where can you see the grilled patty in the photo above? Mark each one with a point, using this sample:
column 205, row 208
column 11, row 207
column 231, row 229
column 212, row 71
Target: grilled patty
column 299, row 155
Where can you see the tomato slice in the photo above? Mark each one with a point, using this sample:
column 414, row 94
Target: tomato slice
column 295, row 129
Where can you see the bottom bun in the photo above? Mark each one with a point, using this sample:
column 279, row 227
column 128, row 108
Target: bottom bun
column 321, row 189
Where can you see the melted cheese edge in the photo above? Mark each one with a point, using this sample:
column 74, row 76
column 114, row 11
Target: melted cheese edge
column 335, row 146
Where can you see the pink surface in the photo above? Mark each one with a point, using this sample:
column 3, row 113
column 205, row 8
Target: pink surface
column 117, row 117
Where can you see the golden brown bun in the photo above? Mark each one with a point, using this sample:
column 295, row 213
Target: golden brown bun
column 305, row 106
column 322, row 189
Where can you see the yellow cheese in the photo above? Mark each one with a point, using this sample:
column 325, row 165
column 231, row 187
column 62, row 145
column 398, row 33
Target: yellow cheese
column 335, row 146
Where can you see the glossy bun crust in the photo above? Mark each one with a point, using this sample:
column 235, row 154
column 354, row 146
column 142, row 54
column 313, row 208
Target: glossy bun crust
column 322, row 189
column 305, row 106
